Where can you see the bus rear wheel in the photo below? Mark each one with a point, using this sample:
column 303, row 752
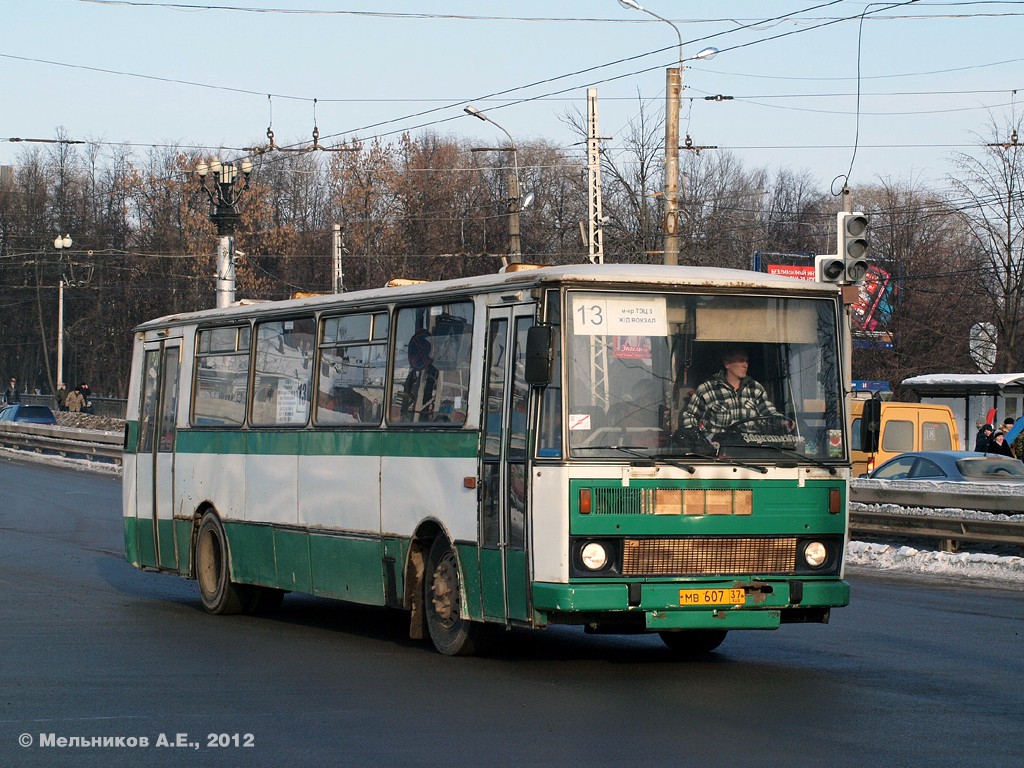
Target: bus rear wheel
column 451, row 633
column 693, row 642
column 219, row 594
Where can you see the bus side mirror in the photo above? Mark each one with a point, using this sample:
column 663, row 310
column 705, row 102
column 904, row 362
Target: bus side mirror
column 539, row 354
column 870, row 425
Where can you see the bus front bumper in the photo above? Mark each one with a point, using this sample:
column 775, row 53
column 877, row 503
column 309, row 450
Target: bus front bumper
column 767, row 603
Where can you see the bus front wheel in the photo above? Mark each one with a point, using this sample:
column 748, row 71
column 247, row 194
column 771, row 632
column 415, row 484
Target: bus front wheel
column 693, row 642
column 219, row 594
column 451, row 633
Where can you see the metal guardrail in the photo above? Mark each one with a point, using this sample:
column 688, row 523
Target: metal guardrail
column 986, row 497
column 948, row 529
column 63, row 441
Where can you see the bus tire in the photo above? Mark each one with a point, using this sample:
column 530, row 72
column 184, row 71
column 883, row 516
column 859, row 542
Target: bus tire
column 219, row 594
column 451, row 633
column 693, row 642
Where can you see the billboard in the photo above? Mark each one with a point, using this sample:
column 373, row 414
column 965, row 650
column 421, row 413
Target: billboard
column 872, row 312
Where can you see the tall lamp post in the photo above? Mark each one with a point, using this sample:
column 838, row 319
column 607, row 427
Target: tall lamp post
column 224, row 196
column 515, row 203
column 673, row 88
column 61, row 244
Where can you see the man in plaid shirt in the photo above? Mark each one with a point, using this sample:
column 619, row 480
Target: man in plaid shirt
column 728, row 397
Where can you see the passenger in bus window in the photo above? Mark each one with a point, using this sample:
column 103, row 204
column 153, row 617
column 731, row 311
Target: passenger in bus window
column 732, row 399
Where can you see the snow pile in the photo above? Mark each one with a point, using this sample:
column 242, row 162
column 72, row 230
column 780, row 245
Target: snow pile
column 959, row 565
column 962, row 565
column 949, row 487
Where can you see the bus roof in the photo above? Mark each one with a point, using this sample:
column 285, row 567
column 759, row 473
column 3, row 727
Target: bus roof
column 625, row 274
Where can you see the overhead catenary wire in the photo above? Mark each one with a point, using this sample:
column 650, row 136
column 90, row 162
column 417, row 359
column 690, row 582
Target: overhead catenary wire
column 459, row 103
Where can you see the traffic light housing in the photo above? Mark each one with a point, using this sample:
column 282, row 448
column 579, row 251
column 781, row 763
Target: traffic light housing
column 829, row 269
column 853, row 246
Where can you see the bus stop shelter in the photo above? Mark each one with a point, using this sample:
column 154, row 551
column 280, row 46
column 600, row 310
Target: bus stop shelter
column 971, row 396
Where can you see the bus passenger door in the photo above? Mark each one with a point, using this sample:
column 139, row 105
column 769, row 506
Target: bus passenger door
column 155, row 460
column 504, row 562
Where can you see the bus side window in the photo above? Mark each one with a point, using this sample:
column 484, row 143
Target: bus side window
column 351, row 368
column 430, row 368
column 283, row 372
column 221, row 384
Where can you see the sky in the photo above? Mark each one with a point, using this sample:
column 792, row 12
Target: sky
column 932, row 75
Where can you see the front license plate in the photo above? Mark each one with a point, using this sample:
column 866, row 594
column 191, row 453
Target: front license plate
column 734, row 596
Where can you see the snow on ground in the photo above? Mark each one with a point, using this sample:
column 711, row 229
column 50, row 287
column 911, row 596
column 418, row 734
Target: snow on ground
column 887, row 558
column 971, row 566
column 953, row 565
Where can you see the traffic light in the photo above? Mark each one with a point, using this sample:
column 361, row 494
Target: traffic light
column 829, row 269
column 853, row 246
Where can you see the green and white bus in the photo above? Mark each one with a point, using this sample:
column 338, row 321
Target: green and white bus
column 500, row 451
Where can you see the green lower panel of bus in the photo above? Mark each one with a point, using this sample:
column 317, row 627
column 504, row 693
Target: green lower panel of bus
column 142, row 544
column 693, row 605
column 369, row 570
column 358, row 568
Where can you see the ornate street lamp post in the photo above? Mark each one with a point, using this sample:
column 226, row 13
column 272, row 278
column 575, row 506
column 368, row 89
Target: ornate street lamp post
column 61, row 244
column 224, row 195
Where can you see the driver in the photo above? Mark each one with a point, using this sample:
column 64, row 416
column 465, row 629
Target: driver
column 730, row 397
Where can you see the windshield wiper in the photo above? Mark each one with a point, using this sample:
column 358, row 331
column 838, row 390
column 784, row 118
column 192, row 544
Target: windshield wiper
column 672, row 462
column 743, row 464
column 635, row 450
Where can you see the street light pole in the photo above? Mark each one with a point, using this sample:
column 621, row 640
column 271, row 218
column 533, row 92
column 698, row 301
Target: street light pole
column 515, row 246
column 223, row 199
column 61, row 244
column 673, row 89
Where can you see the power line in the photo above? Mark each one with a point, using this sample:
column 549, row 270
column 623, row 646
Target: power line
column 460, row 102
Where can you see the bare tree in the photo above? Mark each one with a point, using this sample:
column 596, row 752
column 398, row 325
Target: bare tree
column 989, row 190
column 923, row 297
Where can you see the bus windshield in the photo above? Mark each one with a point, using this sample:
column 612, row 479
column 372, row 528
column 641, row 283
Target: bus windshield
column 703, row 376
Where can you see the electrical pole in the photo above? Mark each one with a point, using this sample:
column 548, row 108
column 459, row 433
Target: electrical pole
column 339, row 282
column 673, row 86
column 515, row 202
column 515, row 243
column 596, row 239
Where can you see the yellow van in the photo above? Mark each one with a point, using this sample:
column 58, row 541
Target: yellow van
column 905, row 427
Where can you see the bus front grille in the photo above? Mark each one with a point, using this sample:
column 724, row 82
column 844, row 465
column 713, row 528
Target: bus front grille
column 708, row 556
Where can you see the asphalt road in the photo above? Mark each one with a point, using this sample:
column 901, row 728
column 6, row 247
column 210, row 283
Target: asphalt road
column 911, row 674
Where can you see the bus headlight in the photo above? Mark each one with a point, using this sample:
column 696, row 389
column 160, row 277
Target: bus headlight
column 594, row 556
column 815, row 554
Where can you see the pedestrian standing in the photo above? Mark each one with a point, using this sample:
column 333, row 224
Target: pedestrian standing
column 1008, row 423
column 86, row 397
column 999, row 444
column 62, row 396
column 11, row 393
column 982, row 440
column 74, row 401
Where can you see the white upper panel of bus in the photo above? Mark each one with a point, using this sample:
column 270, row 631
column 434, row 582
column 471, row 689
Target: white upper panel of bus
column 586, row 274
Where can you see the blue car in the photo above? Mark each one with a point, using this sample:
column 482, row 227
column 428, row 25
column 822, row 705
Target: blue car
column 962, row 466
column 27, row 414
